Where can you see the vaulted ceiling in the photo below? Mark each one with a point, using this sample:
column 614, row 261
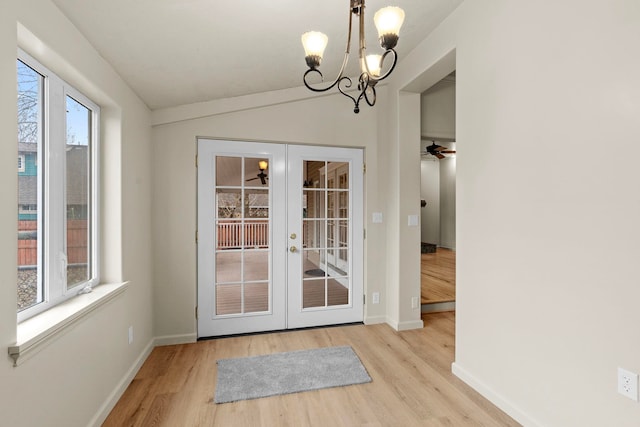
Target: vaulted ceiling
column 174, row 52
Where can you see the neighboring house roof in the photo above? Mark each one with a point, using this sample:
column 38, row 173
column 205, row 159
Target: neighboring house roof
column 27, row 147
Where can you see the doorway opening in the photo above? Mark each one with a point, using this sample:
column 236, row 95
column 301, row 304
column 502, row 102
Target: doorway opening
column 438, row 195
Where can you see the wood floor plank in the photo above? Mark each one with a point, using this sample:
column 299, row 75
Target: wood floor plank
column 412, row 383
column 438, row 276
column 158, row 410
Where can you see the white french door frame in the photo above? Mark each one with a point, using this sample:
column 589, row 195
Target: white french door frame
column 210, row 324
column 286, row 268
column 297, row 316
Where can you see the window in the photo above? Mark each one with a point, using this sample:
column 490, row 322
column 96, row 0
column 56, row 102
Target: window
column 57, row 189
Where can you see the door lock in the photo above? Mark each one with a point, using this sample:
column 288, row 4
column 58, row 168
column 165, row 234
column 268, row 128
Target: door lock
column 293, row 236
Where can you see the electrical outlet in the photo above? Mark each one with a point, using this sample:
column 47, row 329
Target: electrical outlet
column 414, row 302
column 628, row 384
column 376, row 298
column 130, row 334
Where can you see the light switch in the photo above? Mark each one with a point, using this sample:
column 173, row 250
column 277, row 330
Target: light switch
column 413, row 220
column 377, row 218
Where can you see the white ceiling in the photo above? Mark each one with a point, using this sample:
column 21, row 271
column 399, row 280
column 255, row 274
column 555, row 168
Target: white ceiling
column 174, row 52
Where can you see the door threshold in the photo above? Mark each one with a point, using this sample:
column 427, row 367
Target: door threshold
column 248, row 334
column 438, row 307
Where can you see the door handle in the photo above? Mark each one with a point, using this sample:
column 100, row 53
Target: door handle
column 293, row 249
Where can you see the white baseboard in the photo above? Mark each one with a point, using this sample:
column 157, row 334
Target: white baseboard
column 374, row 320
column 175, row 339
column 488, row 393
column 392, row 323
column 412, row 324
column 405, row 326
column 117, row 393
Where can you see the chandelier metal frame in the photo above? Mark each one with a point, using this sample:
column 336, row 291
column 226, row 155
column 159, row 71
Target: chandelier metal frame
column 367, row 79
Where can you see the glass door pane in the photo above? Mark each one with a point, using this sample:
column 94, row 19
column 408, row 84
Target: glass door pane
column 242, row 249
column 325, row 194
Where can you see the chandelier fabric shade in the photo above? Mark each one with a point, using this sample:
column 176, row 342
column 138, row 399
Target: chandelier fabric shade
column 388, row 21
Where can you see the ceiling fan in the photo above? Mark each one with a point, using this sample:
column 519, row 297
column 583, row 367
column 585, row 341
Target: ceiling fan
column 262, row 165
column 438, row 150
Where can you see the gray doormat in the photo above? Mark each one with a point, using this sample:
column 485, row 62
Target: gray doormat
column 315, row 272
column 291, row 372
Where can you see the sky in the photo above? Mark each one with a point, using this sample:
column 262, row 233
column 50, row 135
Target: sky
column 78, row 116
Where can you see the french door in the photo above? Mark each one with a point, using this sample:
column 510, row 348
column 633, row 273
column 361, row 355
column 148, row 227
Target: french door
column 280, row 236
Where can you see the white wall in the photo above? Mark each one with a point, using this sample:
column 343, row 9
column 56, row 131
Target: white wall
column 430, row 193
column 71, row 380
column 448, row 202
column 542, row 328
column 438, row 189
column 438, row 104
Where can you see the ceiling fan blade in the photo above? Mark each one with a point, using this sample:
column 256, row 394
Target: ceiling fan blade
column 438, row 155
column 263, row 179
column 449, row 152
column 252, row 179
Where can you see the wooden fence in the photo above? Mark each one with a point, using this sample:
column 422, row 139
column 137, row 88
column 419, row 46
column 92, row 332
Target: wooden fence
column 77, row 242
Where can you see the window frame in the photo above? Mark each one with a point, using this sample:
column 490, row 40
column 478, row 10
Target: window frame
column 52, row 201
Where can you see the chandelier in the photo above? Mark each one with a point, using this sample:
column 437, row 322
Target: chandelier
column 388, row 21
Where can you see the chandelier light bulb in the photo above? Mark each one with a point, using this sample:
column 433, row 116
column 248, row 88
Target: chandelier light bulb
column 388, row 21
column 262, row 165
column 314, row 43
column 374, row 64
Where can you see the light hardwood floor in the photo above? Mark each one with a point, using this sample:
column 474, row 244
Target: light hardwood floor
column 438, row 276
column 411, row 372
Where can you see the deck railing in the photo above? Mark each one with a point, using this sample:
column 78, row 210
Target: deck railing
column 229, row 236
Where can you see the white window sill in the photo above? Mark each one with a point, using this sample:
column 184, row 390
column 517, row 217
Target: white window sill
column 35, row 332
